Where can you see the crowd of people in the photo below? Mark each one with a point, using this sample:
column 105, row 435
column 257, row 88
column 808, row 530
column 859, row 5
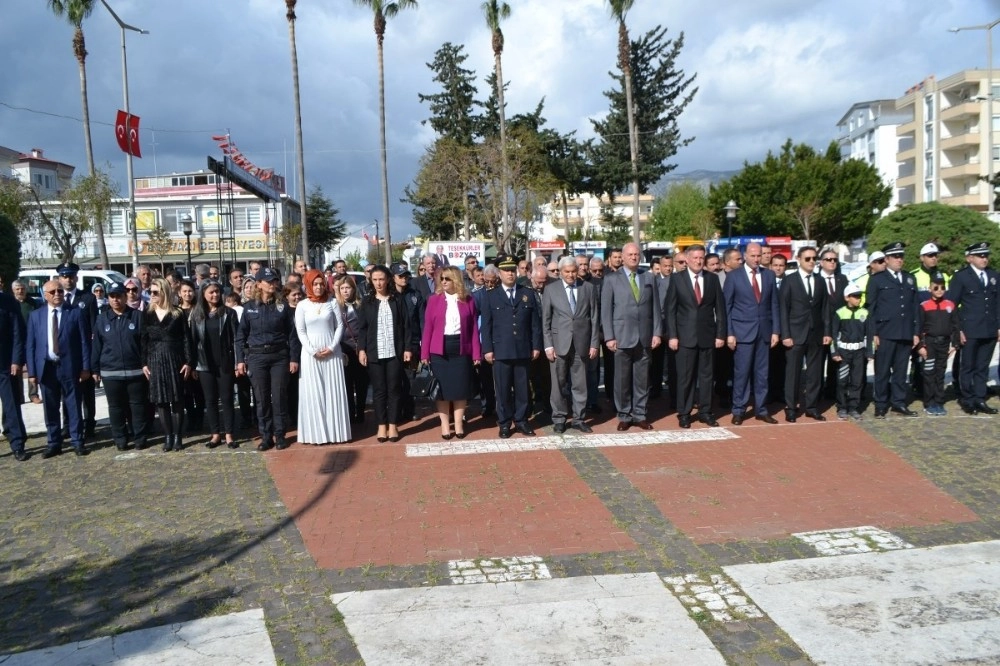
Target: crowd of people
column 747, row 331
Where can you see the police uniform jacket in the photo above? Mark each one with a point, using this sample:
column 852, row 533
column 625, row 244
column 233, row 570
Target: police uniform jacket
column 415, row 305
column 13, row 333
column 939, row 319
column 368, row 326
column 511, row 332
column 116, row 352
column 84, row 300
column 893, row 305
column 196, row 330
column 977, row 307
column 267, row 326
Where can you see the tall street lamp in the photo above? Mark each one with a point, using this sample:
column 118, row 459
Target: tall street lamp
column 128, row 160
column 731, row 209
column 988, row 27
column 188, row 224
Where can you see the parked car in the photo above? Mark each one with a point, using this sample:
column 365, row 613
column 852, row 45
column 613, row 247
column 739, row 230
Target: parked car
column 34, row 278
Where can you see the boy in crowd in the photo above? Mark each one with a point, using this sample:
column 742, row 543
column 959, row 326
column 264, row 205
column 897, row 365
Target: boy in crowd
column 938, row 329
column 851, row 348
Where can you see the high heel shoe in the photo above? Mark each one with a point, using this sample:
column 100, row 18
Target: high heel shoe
column 233, row 445
column 447, row 436
column 382, row 439
column 212, row 443
column 460, row 435
column 394, row 438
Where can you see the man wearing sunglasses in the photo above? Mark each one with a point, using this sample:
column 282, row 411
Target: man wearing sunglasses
column 805, row 331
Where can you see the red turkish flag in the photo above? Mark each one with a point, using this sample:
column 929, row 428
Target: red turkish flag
column 127, row 133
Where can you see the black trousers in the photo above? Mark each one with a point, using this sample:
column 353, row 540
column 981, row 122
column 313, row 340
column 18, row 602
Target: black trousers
column 484, row 381
column 269, row 377
column 356, row 379
column 656, row 357
column 802, row 385
column 13, row 423
column 541, row 385
column 891, row 359
column 609, row 372
column 694, row 369
column 87, row 391
column 511, row 385
column 386, row 376
column 194, row 402
column 127, row 400
column 217, row 388
column 976, row 355
column 244, row 393
column 850, row 378
column 932, row 370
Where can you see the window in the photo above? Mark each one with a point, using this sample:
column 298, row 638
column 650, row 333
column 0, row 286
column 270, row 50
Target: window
column 929, row 190
column 996, row 92
column 996, row 153
column 996, row 123
column 929, row 164
column 929, row 137
column 929, row 107
column 170, row 219
column 116, row 223
column 247, row 218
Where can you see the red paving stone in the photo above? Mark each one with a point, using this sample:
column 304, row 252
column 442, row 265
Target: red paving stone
column 369, row 504
column 776, row 480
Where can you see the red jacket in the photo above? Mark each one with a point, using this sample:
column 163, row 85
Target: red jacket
column 432, row 340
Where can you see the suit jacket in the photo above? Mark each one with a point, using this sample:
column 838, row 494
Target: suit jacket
column 748, row 319
column 12, row 333
column 432, row 338
column 694, row 324
column 511, row 332
column 565, row 330
column 803, row 319
column 419, row 283
column 368, row 326
column 74, row 342
column 85, row 301
column 835, row 301
column 978, row 309
column 628, row 322
column 893, row 305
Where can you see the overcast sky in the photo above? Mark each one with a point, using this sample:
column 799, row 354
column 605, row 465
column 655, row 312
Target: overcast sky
column 766, row 69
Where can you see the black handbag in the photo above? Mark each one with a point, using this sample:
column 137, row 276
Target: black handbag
column 424, row 384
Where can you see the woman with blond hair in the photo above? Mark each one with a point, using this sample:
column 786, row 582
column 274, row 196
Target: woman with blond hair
column 450, row 343
column 166, row 360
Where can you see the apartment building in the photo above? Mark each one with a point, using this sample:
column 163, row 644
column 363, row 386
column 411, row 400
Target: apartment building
column 944, row 144
column 867, row 132
column 584, row 214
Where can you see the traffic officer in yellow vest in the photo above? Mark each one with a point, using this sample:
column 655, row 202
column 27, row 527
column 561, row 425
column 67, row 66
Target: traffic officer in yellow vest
column 927, row 269
column 876, row 264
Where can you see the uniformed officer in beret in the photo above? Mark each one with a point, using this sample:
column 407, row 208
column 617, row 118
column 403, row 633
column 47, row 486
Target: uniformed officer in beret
column 892, row 301
column 74, row 297
column 511, row 332
column 975, row 291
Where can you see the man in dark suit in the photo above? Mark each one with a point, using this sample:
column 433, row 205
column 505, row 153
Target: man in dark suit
column 892, row 301
column 975, row 290
column 86, row 302
column 569, row 332
column 12, row 337
column 805, row 331
column 776, row 366
column 58, row 355
column 511, row 334
column 658, row 355
column 426, row 284
column 632, row 324
column 696, row 327
column 754, row 327
column 834, row 282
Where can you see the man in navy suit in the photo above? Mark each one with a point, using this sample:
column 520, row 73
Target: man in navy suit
column 58, row 355
column 975, row 290
column 511, row 334
column 74, row 297
column 754, row 327
column 805, row 331
column 12, row 334
column 696, row 327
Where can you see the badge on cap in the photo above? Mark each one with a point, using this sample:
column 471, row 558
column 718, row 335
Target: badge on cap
column 894, row 249
column 978, row 249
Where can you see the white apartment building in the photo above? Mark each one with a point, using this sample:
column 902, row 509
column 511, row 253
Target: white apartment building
column 584, row 215
column 867, row 132
column 945, row 143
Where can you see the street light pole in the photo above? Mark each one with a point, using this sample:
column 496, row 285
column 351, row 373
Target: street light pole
column 731, row 209
column 128, row 161
column 187, row 222
column 988, row 27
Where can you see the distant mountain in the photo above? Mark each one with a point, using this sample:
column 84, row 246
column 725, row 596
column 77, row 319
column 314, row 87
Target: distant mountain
column 702, row 177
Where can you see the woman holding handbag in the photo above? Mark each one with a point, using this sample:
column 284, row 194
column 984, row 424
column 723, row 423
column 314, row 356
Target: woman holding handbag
column 212, row 327
column 355, row 375
column 450, row 343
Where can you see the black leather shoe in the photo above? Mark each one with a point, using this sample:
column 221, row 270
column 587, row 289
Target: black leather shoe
column 684, row 420
column 265, row 445
column 643, row 425
column 583, row 427
column 178, row 444
column 624, row 425
column 559, row 428
column 737, row 419
column 82, row 451
column 393, row 439
column 708, row 420
column 594, row 409
column 51, row 453
column 983, row 408
column 21, row 456
column 790, row 416
column 282, row 443
column 815, row 415
column 505, row 432
column 766, row 418
column 904, row 411
column 168, row 443
column 525, row 429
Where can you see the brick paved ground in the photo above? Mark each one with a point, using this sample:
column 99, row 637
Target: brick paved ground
column 111, row 542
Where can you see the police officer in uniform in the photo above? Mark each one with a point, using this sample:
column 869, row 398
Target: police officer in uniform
column 267, row 349
column 13, row 336
column 415, row 307
column 511, row 331
column 975, row 290
column 84, row 300
column 892, row 301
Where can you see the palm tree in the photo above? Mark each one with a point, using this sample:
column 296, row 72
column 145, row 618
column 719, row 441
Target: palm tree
column 495, row 12
column 384, row 10
column 300, row 161
column 75, row 11
column 619, row 8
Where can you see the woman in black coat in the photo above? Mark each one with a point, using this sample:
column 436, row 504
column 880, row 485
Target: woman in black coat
column 384, row 345
column 212, row 328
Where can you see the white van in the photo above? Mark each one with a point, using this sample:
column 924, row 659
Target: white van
column 34, row 278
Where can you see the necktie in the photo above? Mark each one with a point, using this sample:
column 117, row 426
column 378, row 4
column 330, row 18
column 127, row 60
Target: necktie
column 697, row 288
column 829, row 285
column 69, row 298
column 756, row 286
column 809, row 286
column 55, row 332
column 510, row 296
column 571, row 292
column 899, row 277
column 635, row 287
column 982, row 278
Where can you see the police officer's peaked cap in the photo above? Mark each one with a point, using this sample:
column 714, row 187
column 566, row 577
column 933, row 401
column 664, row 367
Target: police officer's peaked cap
column 267, row 274
column 978, row 249
column 894, row 249
column 399, row 268
column 69, row 268
column 506, row 261
column 938, row 278
column 116, row 288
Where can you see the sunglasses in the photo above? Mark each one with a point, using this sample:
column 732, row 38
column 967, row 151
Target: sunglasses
column 879, row 261
column 55, row 291
column 132, row 290
column 445, row 278
column 829, row 259
column 937, row 287
column 813, row 258
column 152, row 292
column 931, row 254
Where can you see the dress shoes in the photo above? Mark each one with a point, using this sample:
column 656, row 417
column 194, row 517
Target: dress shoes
column 21, row 456
column 708, row 420
column 766, row 418
column 460, row 435
column 525, row 429
column 643, row 425
column 504, row 432
column 684, row 420
column 447, row 436
column 583, row 427
column 393, row 439
column 559, row 428
column 623, row 426
column 737, row 419
column 983, row 408
column 903, row 411
column 265, row 445
column 82, row 451
column 594, row 409
column 815, row 415
column 790, row 416
column 51, row 453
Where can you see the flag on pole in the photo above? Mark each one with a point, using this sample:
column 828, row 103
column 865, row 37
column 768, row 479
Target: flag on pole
column 267, row 224
column 365, row 234
column 127, row 133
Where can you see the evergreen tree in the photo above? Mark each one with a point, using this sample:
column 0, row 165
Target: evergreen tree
column 326, row 229
column 452, row 109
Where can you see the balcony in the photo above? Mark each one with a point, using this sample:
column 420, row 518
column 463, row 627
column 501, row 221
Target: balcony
column 970, row 109
column 903, row 182
column 970, row 200
column 967, row 170
column 906, row 128
column 906, row 155
column 967, row 140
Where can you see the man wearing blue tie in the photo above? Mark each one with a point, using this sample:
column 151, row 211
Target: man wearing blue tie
column 58, row 356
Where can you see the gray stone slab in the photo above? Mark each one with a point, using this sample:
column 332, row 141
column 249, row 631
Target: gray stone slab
column 624, row 619
column 921, row 606
column 237, row 638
